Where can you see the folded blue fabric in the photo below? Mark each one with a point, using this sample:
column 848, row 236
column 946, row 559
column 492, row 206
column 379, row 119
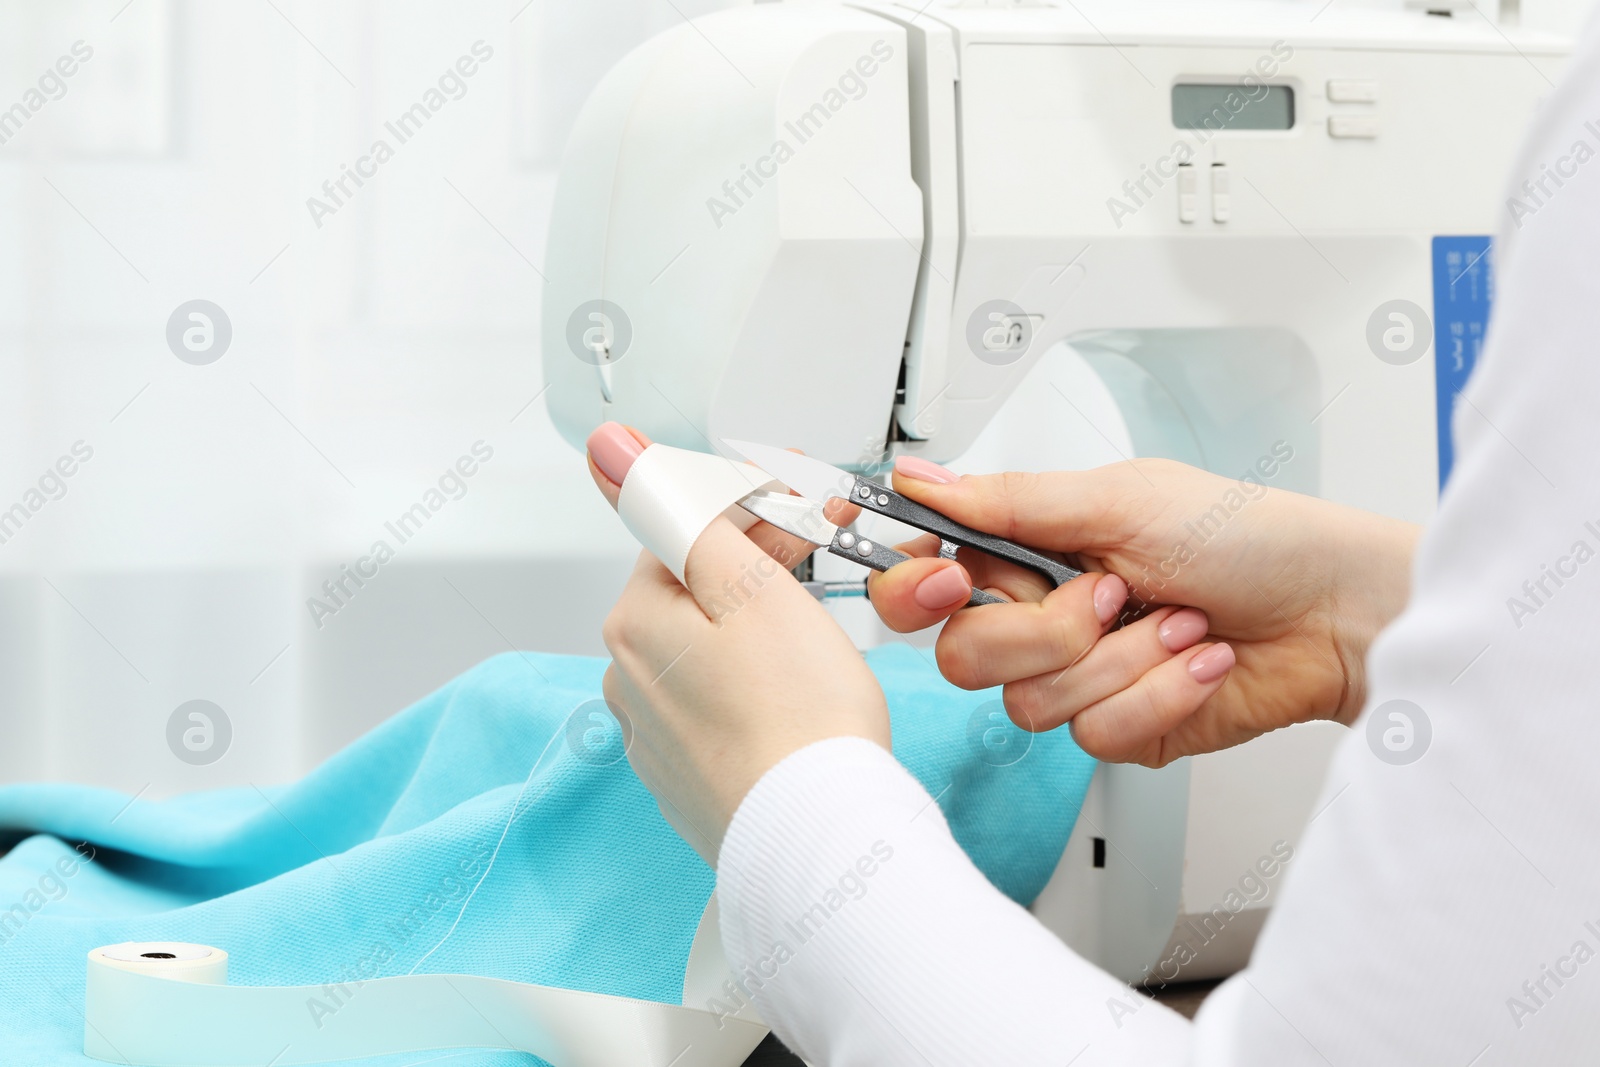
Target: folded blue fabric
column 493, row 828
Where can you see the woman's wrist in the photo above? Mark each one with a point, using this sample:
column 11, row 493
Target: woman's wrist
column 1369, row 584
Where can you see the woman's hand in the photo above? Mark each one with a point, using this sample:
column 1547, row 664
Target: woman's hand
column 717, row 683
column 1295, row 586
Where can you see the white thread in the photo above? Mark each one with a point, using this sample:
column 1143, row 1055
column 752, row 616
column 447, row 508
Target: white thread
column 515, row 811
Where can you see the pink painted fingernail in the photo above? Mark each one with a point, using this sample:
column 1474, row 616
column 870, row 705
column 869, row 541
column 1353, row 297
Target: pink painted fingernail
column 942, row 588
column 1110, row 593
column 1182, row 629
column 1211, row 664
column 614, row 449
column 921, row 470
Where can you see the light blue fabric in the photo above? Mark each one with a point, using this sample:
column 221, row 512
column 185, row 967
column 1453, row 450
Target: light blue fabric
column 492, row 828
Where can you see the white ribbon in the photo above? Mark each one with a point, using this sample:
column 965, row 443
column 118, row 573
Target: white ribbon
column 166, row 1004
column 671, row 495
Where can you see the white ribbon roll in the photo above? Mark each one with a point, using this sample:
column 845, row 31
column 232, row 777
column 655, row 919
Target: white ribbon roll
column 163, row 1004
column 671, row 495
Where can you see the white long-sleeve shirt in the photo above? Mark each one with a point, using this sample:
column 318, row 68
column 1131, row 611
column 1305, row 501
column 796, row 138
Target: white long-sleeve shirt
column 1442, row 912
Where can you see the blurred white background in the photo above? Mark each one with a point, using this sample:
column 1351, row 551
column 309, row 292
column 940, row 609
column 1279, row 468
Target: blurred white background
column 372, row 347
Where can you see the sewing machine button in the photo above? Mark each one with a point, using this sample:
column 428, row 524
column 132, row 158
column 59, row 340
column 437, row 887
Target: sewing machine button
column 1352, row 91
column 1364, row 126
column 1221, row 198
column 1188, row 200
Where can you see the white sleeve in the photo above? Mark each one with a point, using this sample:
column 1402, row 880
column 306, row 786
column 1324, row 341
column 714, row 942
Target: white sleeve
column 867, row 938
column 1441, row 911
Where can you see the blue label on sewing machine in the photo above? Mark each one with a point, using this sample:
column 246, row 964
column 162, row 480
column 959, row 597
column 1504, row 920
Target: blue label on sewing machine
column 1463, row 289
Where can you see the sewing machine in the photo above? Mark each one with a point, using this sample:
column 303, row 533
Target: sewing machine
column 855, row 229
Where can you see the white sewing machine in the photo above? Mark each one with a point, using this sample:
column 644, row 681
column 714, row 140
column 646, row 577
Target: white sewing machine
column 855, row 228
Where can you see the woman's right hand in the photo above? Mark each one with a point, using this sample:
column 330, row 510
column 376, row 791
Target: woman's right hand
column 1298, row 587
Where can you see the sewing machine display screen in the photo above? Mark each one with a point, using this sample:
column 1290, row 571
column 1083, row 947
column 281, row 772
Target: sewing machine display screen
column 1232, row 107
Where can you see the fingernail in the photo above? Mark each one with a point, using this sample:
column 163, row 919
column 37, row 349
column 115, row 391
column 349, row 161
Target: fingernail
column 1110, row 593
column 1211, row 664
column 921, row 470
column 1182, row 629
column 942, row 588
column 614, row 449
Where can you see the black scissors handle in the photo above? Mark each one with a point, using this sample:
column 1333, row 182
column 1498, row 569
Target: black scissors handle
column 880, row 557
column 886, row 501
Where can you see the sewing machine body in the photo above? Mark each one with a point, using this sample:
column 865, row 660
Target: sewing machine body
column 858, row 229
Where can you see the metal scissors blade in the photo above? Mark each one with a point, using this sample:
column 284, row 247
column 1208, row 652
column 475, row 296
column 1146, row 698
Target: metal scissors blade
column 806, row 476
column 793, row 515
column 804, row 519
column 820, row 481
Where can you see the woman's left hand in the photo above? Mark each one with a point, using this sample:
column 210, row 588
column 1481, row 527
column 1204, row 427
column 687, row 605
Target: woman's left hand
column 717, row 683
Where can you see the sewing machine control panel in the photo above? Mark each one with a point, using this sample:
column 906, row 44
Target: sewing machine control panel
column 1244, row 138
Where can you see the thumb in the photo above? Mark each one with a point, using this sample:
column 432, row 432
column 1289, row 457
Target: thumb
column 1062, row 511
column 726, row 571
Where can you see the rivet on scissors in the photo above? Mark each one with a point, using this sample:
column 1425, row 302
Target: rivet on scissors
column 864, row 548
column 847, row 539
column 864, row 492
column 883, row 499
